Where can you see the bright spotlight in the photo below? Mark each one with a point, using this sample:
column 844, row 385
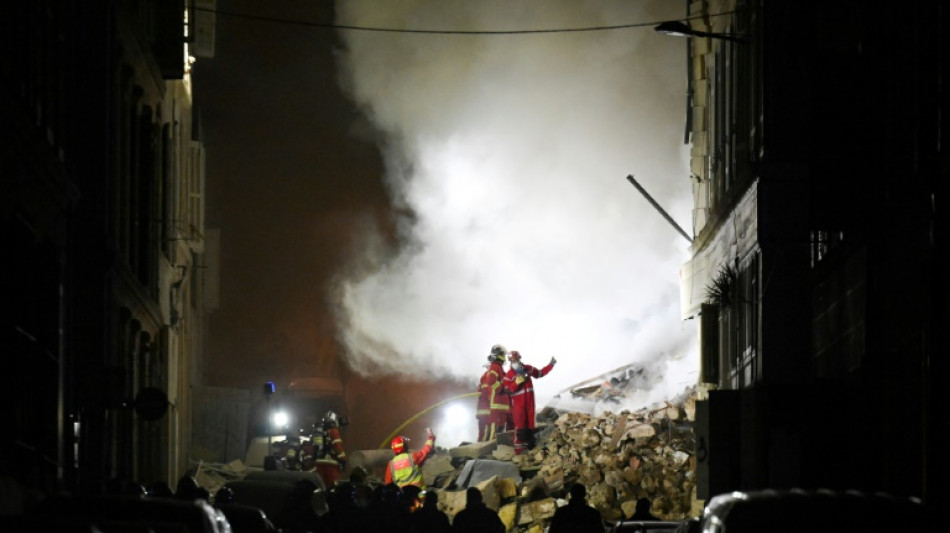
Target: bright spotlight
column 280, row 419
column 458, row 415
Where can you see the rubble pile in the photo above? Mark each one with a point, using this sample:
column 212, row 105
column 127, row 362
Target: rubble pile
column 620, row 458
column 610, row 390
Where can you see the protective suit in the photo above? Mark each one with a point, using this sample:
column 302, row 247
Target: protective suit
column 518, row 382
column 405, row 468
column 483, row 408
column 499, row 406
column 333, row 439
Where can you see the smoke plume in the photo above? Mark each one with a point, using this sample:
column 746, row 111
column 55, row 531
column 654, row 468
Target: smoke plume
column 507, row 157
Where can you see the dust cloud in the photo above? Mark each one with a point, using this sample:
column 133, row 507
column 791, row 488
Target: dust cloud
column 506, row 159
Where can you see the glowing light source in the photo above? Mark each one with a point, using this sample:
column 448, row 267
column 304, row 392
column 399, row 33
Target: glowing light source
column 458, row 415
column 280, row 419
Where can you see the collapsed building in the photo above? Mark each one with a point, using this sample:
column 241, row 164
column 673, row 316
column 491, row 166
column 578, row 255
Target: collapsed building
column 620, row 456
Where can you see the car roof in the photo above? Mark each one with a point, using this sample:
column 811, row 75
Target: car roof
column 643, row 526
column 198, row 515
column 286, row 476
column 815, row 510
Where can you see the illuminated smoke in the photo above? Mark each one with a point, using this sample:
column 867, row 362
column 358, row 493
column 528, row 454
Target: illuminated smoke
column 508, row 155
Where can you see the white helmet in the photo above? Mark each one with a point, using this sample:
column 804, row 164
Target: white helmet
column 498, row 353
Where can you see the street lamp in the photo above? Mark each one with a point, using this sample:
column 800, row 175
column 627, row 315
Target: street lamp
column 678, row 28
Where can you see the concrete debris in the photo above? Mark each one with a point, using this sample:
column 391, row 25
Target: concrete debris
column 437, row 466
column 503, row 452
column 610, row 390
column 474, row 450
column 475, row 471
column 374, row 462
column 508, row 514
column 620, row 457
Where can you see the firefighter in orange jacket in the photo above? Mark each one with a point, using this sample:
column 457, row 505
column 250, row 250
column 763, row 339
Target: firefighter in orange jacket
column 491, row 388
column 519, row 385
column 405, row 468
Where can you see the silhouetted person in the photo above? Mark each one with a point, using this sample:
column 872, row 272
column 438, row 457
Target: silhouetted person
column 389, row 512
column 224, row 496
column 358, row 475
column 642, row 511
column 351, row 505
column 476, row 517
column 124, row 487
column 187, row 489
column 429, row 519
column 299, row 515
column 160, row 489
column 577, row 516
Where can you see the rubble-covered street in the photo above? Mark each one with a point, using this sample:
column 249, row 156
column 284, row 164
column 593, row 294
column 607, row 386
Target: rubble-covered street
column 620, row 457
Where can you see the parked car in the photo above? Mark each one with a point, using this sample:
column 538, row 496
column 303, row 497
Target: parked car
column 246, row 518
column 287, row 498
column 690, row 525
column 126, row 513
column 318, row 498
column 815, row 511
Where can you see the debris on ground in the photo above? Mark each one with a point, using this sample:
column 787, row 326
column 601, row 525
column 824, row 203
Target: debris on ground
column 620, row 457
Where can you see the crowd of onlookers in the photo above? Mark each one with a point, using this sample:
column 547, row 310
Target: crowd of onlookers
column 354, row 505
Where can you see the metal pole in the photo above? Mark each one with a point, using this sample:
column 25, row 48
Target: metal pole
column 269, row 390
column 270, row 428
column 658, row 208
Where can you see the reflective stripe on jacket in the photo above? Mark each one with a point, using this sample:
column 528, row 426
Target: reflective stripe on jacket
column 483, row 407
column 405, row 471
column 499, row 397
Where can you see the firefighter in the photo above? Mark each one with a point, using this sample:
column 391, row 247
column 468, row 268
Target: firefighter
column 308, row 452
column 490, row 386
column 405, row 468
column 519, row 385
column 333, row 440
column 483, row 408
column 290, row 455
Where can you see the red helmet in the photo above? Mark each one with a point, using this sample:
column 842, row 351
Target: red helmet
column 398, row 445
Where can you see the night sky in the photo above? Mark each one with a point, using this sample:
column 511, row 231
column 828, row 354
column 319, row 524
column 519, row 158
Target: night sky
column 392, row 204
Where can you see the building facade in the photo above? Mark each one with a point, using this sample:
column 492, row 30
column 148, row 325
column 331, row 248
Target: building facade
column 103, row 219
column 819, row 169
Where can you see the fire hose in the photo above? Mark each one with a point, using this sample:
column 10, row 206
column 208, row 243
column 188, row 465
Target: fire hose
column 387, row 440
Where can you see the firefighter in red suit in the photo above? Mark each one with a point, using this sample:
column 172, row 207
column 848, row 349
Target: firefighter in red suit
column 492, row 389
column 405, row 468
column 521, row 389
column 483, row 407
column 334, row 440
column 326, row 446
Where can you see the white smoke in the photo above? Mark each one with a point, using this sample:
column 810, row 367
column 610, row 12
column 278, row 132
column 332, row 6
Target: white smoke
column 511, row 153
